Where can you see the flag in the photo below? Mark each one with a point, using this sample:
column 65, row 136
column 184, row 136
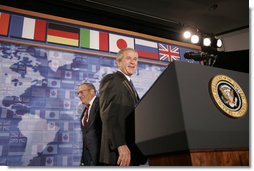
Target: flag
column 28, row 28
column 53, row 93
column 37, row 113
column 65, row 148
column 50, row 114
column 62, row 34
column 67, row 104
column 4, row 23
column 51, row 126
column 40, row 53
column 146, row 49
column 93, row 39
column 36, row 148
column 65, row 137
column 54, row 83
column 68, row 74
column 4, row 136
column 50, row 149
column 38, row 91
column 36, row 102
column 81, row 76
column 17, row 138
column 5, row 125
column 49, row 161
column 168, row 52
column 64, row 161
column 3, row 113
column 67, row 94
column 66, row 126
column 15, row 149
column 118, row 42
column 68, row 84
column 53, row 103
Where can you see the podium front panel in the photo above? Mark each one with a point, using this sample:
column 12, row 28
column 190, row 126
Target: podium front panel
column 178, row 113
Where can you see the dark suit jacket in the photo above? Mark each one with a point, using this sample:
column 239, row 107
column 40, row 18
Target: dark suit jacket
column 117, row 104
column 92, row 134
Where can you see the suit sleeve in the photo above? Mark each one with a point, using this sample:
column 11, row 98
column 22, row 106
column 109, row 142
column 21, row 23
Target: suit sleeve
column 112, row 111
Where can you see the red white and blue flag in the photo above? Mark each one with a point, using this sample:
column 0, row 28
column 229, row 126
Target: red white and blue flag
column 169, row 53
column 28, row 28
column 146, row 49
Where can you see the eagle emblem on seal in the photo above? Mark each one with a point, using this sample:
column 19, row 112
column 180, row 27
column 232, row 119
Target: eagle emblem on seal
column 228, row 96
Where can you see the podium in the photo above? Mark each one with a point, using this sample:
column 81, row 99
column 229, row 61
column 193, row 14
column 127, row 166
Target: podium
column 178, row 123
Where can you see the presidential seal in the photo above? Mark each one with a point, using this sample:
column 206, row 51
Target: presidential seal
column 228, row 96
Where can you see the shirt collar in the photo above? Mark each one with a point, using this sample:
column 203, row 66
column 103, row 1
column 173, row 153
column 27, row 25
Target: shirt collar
column 91, row 102
column 128, row 77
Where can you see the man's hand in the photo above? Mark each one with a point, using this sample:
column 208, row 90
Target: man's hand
column 124, row 158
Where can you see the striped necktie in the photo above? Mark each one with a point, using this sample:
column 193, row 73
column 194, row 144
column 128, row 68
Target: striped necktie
column 85, row 118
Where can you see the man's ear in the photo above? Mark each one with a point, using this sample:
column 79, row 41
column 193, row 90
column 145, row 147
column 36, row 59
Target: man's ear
column 117, row 63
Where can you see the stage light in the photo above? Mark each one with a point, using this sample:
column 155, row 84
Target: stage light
column 187, row 34
column 219, row 43
column 207, row 41
column 195, row 36
column 194, row 39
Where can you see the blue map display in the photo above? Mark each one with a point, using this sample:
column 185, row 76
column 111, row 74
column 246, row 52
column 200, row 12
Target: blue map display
column 39, row 109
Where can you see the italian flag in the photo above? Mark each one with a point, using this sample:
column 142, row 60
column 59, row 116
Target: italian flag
column 93, row 39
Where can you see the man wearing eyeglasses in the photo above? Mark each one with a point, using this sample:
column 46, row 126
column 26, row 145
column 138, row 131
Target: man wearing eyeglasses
column 118, row 98
column 90, row 125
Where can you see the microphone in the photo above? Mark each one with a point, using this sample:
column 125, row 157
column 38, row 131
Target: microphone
column 199, row 56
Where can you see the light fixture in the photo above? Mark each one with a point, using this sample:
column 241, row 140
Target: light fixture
column 194, row 39
column 191, row 34
column 207, row 41
column 216, row 42
column 194, row 35
column 219, row 43
column 187, row 34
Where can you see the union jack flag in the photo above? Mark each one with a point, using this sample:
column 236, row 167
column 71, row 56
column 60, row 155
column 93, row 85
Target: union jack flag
column 168, row 53
column 17, row 138
column 5, row 125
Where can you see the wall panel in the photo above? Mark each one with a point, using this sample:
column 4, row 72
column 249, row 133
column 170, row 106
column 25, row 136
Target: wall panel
column 42, row 60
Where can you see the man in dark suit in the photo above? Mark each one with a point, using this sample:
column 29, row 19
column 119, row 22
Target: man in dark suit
column 90, row 125
column 118, row 98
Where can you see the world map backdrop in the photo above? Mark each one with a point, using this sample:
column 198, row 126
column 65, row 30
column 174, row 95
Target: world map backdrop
column 39, row 109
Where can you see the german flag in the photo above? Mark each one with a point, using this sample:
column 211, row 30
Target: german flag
column 62, row 34
column 4, row 23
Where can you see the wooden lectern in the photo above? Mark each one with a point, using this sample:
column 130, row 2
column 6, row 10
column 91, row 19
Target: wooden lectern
column 178, row 123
